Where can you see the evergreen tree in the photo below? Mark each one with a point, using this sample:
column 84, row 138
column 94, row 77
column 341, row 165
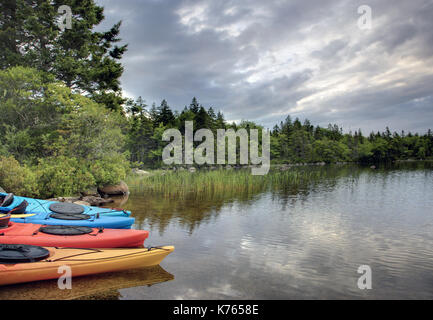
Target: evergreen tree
column 87, row 61
column 194, row 106
column 202, row 119
column 164, row 114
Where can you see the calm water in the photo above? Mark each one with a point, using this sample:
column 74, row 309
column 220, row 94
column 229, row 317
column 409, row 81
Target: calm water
column 304, row 241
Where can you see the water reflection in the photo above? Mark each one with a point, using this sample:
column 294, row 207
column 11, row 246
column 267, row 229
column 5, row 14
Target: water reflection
column 153, row 209
column 303, row 240
column 101, row 286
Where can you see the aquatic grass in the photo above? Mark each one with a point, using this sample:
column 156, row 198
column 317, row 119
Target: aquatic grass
column 219, row 182
column 182, row 182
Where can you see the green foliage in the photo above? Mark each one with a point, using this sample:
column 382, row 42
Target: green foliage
column 16, row 178
column 109, row 170
column 85, row 60
column 330, row 151
column 65, row 142
column 291, row 141
column 62, row 176
column 91, row 132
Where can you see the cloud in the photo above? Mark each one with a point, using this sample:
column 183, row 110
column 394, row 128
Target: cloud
column 263, row 60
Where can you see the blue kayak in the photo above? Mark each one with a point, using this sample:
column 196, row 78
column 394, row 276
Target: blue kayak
column 43, row 206
column 28, row 210
column 92, row 221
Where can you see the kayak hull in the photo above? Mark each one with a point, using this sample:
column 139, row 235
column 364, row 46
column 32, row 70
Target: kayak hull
column 30, row 234
column 81, row 262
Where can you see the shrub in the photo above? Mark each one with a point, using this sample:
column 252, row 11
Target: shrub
column 109, row 170
column 18, row 179
column 61, row 176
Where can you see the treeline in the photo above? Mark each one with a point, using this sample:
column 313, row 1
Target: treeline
column 292, row 141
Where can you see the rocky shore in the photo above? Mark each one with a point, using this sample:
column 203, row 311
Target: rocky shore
column 99, row 196
column 111, row 194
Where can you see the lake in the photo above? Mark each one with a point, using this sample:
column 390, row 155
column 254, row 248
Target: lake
column 302, row 242
column 287, row 241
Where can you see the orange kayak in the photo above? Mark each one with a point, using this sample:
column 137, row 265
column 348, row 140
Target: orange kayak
column 71, row 236
column 49, row 262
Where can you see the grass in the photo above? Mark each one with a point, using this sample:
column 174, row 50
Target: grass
column 182, row 183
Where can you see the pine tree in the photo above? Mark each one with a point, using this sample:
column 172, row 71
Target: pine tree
column 87, row 61
column 165, row 115
column 202, row 119
column 194, row 106
column 220, row 121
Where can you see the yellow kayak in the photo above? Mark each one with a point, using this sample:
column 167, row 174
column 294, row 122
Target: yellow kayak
column 81, row 261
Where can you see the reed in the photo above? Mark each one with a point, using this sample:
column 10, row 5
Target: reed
column 203, row 182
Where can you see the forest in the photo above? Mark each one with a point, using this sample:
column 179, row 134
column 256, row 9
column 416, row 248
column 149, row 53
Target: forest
column 292, row 141
column 66, row 127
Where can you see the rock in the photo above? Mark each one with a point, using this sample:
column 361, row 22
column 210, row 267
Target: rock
column 192, row 169
column 373, row 167
column 228, row 167
column 2, row 190
column 115, row 189
column 94, row 201
column 139, row 172
column 83, row 203
column 65, row 199
column 90, row 192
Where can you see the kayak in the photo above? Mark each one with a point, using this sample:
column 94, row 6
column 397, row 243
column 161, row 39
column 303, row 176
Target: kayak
column 35, row 206
column 60, row 213
column 50, row 262
column 71, row 236
column 84, row 220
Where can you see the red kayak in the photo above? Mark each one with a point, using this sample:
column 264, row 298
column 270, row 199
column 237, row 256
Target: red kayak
column 71, row 236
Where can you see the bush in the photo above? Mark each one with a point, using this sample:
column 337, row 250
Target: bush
column 110, row 170
column 61, row 176
column 18, row 179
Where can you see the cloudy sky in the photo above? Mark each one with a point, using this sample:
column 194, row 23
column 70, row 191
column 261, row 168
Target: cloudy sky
column 263, row 60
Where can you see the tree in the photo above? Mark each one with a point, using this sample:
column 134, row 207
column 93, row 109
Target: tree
column 87, row 61
column 164, row 114
column 31, row 110
column 137, row 107
column 194, row 106
column 202, row 119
